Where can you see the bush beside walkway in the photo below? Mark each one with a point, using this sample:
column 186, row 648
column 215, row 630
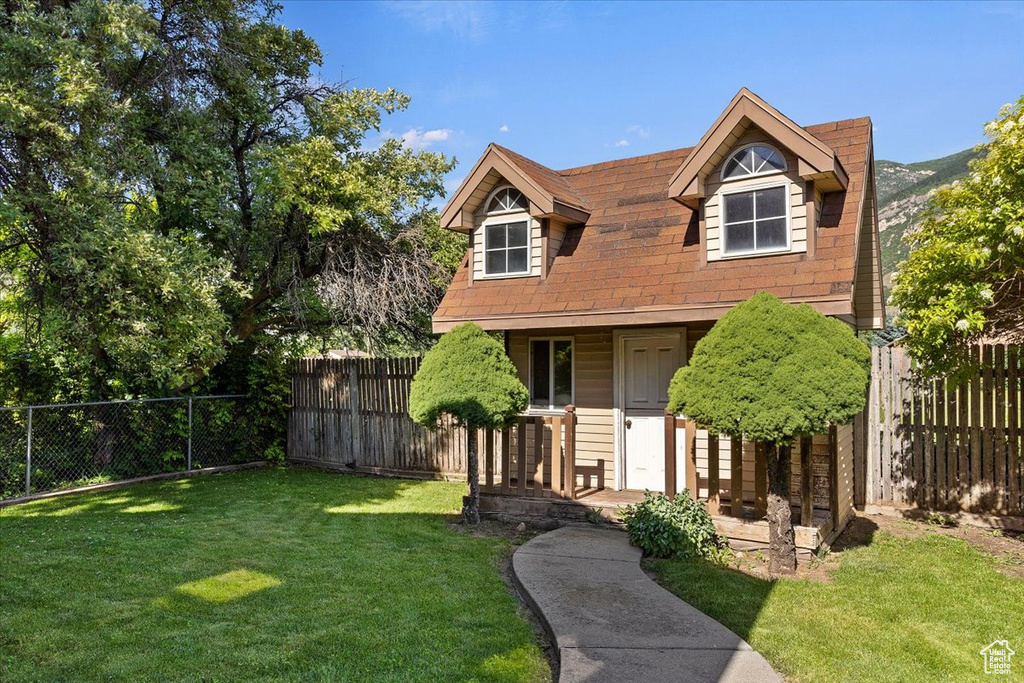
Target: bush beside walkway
column 903, row 602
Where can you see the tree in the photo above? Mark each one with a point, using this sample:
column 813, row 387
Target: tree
column 177, row 181
column 468, row 376
column 772, row 372
column 964, row 277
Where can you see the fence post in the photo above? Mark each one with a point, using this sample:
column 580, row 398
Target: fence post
column 189, row 465
column 28, row 453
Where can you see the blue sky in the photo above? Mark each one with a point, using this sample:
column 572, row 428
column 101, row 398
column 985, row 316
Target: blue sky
column 570, row 83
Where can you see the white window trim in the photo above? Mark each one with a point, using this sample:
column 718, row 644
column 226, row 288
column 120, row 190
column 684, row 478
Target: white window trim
column 550, row 409
column 500, row 188
column 787, row 187
column 506, row 218
column 785, row 164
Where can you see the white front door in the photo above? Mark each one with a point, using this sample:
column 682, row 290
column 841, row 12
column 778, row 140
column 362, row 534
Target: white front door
column 648, row 366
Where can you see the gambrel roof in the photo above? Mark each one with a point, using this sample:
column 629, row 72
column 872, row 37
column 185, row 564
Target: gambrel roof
column 632, row 253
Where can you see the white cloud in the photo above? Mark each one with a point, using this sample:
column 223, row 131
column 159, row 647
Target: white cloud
column 642, row 132
column 504, row 128
column 417, row 138
column 621, row 143
column 466, row 19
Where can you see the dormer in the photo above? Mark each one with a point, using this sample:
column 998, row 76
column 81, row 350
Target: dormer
column 758, row 181
column 504, row 236
column 515, row 212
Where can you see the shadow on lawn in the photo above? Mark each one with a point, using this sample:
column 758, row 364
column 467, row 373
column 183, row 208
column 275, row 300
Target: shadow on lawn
column 227, row 562
column 347, row 493
column 736, row 598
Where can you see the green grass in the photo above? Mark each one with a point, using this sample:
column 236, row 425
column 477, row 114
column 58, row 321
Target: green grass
column 271, row 575
column 896, row 610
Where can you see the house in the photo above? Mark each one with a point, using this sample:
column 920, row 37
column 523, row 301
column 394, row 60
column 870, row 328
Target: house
column 602, row 278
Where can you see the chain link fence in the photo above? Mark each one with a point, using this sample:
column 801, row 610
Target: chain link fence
column 52, row 447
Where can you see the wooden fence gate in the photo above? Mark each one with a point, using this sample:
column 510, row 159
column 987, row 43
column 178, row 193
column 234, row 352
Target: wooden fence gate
column 354, row 412
column 942, row 446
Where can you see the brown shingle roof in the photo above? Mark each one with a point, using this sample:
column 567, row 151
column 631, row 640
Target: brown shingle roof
column 552, row 181
column 640, row 251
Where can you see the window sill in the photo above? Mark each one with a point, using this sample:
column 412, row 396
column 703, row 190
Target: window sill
column 756, row 254
column 506, row 276
column 544, row 412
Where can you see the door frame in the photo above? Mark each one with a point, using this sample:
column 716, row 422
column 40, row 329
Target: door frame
column 619, row 338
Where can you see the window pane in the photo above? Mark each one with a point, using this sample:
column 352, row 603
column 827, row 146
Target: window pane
column 495, row 204
column 771, row 234
column 517, row 235
column 771, row 203
column 540, row 379
column 495, row 237
column 766, row 159
column 739, row 207
column 732, row 168
column 495, row 262
column 739, row 237
column 517, row 260
column 519, row 201
column 563, row 373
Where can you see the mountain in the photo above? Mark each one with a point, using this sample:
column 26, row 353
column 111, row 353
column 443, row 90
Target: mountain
column 902, row 194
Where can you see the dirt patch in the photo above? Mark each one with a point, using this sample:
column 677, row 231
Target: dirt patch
column 1006, row 548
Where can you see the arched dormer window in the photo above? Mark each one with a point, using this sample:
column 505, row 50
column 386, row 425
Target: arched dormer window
column 753, row 160
column 507, row 234
column 507, row 199
column 755, row 219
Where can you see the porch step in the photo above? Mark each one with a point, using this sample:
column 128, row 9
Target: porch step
column 742, row 534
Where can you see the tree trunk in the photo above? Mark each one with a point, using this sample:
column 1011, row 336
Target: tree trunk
column 471, row 506
column 781, row 539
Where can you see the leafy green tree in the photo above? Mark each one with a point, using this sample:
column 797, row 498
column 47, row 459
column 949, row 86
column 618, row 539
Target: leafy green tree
column 964, row 277
column 468, row 377
column 772, row 372
column 176, row 181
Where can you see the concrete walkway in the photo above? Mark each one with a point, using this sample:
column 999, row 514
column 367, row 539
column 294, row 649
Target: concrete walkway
column 611, row 623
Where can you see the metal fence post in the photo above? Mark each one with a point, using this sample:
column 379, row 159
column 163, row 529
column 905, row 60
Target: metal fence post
column 189, row 468
column 28, row 453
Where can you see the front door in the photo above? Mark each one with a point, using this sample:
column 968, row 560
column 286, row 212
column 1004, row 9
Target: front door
column 648, row 365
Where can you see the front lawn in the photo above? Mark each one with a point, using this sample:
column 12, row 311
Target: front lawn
column 907, row 606
column 270, row 575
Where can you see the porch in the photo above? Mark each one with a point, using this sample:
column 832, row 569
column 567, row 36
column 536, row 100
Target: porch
column 531, row 470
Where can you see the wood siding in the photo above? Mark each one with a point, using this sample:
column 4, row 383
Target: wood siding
column 867, row 289
column 595, row 430
column 535, row 247
column 714, row 186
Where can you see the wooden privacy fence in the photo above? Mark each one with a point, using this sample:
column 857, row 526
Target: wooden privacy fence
column 938, row 445
column 354, row 412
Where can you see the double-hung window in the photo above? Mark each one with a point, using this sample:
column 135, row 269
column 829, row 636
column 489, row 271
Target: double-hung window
column 551, row 373
column 507, row 233
column 755, row 221
column 507, row 248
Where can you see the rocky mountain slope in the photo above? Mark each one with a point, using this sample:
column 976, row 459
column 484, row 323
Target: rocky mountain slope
column 902, row 195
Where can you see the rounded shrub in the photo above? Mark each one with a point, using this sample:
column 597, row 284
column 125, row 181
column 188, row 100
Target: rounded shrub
column 468, row 376
column 772, row 371
column 672, row 528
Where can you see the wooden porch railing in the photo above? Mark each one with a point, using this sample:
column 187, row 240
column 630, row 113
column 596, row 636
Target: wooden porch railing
column 735, row 489
column 534, row 458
